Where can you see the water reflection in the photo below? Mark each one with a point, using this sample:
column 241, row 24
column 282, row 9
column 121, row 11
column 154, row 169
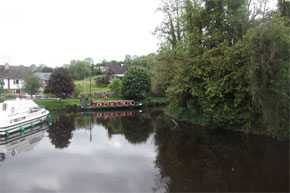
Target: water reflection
column 142, row 152
column 135, row 126
column 21, row 141
column 61, row 131
column 194, row 160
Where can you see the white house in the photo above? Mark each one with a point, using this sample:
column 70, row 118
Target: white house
column 12, row 76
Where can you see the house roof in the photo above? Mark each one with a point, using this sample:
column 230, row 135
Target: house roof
column 117, row 69
column 15, row 72
column 42, row 75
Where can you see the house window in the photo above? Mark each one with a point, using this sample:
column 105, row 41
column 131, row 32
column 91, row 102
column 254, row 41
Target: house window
column 16, row 82
column 16, row 91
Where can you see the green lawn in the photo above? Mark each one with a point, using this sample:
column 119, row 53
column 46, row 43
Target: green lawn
column 84, row 86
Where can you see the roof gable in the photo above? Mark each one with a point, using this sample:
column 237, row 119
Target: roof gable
column 15, row 72
column 117, row 69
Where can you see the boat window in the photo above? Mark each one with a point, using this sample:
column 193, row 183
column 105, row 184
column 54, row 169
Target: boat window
column 99, row 104
column 34, row 110
column 106, row 104
column 4, row 107
column 17, row 120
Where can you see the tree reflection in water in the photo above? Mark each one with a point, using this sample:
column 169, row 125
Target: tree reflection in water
column 136, row 129
column 60, row 132
column 198, row 160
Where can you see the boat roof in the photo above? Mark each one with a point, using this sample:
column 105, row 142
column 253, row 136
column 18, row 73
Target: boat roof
column 113, row 101
column 17, row 104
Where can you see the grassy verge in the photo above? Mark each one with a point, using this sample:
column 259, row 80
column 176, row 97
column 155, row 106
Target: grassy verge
column 84, row 86
column 51, row 104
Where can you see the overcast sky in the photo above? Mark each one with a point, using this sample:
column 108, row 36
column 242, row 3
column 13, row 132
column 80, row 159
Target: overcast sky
column 53, row 32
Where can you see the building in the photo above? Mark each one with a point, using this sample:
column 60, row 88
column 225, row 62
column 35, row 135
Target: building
column 44, row 77
column 12, row 76
column 116, row 71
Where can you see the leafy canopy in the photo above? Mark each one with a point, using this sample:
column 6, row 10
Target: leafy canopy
column 116, row 86
column 32, row 84
column 136, row 83
column 60, row 83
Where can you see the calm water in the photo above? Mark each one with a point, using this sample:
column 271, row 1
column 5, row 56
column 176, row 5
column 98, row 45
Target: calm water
column 139, row 152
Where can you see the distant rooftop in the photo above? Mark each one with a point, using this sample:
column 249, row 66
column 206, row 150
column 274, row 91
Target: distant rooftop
column 42, row 75
column 117, row 69
column 14, row 72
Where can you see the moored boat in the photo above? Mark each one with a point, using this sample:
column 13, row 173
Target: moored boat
column 101, row 105
column 19, row 114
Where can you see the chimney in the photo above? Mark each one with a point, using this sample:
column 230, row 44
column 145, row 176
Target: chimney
column 6, row 67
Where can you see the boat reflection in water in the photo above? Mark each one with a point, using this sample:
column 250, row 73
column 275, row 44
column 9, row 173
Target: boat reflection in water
column 21, row 141
column 134, row 125
column 107, row 114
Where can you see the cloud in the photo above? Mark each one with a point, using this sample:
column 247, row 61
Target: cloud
column 54, row 32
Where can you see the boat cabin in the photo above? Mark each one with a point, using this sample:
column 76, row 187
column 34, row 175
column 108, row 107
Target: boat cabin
column 112, row 103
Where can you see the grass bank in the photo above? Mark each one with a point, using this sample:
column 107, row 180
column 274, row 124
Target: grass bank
column 55, row 104
column 84, row 86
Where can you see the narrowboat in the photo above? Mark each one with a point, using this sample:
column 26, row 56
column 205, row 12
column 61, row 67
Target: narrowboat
column 19, row 114
column 101, row 105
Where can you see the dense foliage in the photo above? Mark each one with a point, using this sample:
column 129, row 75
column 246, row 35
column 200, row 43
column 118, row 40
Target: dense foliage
column 115, row 86
column 136, row 83
column 79, row 69
column 41, row 68
column 60, row 83
column 226, row 64
column 32, row 85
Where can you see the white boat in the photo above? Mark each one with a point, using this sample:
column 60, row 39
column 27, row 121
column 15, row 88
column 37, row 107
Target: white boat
column 19, row 114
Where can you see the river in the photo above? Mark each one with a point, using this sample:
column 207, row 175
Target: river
column 139, row 152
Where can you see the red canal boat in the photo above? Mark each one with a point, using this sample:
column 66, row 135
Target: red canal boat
column 100, row 105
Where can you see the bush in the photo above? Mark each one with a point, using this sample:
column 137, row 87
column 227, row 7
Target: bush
column 136, row 83
column 102, row 81
column 116, row 86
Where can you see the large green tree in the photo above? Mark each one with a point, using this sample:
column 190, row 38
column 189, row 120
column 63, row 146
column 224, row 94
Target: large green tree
column 213, row 69
column 31, row 85
column 136, row 83
column 60, row 83
column 79, row 69
column 269, row 51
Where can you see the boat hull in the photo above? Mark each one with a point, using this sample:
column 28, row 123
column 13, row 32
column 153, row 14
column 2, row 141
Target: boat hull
column 24, row 124
column 108, row 108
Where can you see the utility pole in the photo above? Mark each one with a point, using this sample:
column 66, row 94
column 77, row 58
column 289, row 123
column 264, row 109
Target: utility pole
column 91, row 81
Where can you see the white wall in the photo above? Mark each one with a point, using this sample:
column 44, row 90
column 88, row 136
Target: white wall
column 13, row 84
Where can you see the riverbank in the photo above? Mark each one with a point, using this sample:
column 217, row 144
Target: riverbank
column 61, row 104
column 204, row 120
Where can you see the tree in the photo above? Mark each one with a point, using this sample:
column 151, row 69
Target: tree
column 116, row 86
column 1, row 86
column 31, row 85
column 268, row 46
column 60, row 83
column 79, row 69
column 41, row 68
column 136, row 83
